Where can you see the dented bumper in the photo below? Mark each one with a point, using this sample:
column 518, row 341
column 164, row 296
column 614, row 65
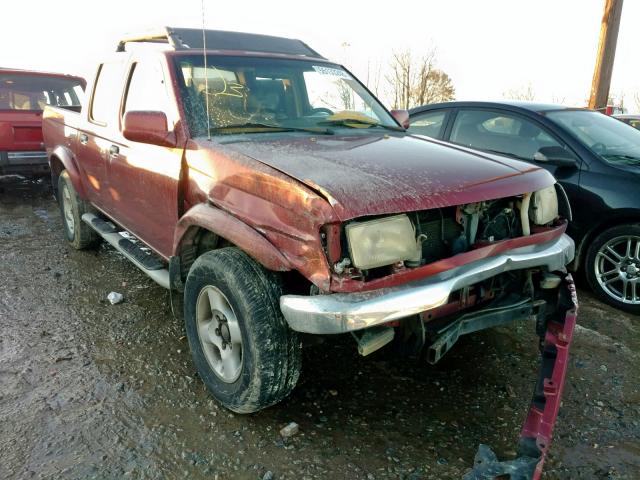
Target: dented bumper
column 345, row 312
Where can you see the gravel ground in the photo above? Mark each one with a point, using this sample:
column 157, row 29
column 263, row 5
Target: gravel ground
column 94, row 390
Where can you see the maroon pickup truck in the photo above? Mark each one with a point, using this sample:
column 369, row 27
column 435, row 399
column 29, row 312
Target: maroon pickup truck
column 23, row 95
column 283, row 199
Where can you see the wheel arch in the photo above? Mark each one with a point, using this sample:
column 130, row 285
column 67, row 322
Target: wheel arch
column 62, row 159
column 215, row 228
column 619, row 218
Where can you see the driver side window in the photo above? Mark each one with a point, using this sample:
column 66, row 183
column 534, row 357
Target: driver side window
column 146, row 89
column 501, row 132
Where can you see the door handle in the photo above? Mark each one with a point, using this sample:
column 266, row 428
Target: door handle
column 114, row 151
column 84, row 138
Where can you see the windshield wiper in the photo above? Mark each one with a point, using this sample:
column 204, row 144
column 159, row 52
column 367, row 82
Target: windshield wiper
column 505, row 154
column 265, row 126
column 348, row 122
column 632, row 159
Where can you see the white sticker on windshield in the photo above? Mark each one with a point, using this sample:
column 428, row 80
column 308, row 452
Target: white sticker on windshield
column 334, row 72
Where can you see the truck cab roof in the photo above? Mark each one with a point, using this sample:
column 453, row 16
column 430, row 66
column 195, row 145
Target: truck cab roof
column 194, row 39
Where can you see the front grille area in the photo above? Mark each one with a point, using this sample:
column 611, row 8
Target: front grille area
column 441, row 230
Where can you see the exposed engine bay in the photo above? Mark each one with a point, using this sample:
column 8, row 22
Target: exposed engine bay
column 376, row 247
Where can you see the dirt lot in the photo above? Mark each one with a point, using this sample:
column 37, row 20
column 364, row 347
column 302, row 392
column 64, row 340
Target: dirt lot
column 91, row 390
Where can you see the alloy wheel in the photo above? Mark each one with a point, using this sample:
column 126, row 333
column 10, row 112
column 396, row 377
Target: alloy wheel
column 67, row 208
column 219, row 334
column 617, row 268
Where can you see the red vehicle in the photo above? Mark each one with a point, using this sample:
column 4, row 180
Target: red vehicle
column 282, row 198
column 630, row 119
column 23, row 95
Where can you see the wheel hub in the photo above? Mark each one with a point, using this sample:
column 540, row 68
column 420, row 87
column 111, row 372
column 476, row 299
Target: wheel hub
column 222, row 330
column 632, row 270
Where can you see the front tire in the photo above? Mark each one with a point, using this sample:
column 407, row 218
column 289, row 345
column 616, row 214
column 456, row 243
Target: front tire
column 241, row 345
column 613, row 267
column 72, row 207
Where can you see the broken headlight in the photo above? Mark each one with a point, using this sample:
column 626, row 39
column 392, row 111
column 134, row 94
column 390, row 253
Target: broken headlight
column 380, row 242
column 543, row 208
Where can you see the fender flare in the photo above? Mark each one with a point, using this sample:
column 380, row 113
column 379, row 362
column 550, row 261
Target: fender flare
column 69, row 163
column 226, row 226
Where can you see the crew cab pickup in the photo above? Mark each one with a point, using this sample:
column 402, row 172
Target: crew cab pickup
column 23, row 95
column 270, row 186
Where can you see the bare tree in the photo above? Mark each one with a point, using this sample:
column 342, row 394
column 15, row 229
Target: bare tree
column 636, row 99
column 346, row 97
column 521, row 93
column 417, row 81
column 400, row 78
column 374, row 74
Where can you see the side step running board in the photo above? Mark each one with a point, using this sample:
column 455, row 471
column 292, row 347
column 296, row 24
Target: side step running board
column 149, row 264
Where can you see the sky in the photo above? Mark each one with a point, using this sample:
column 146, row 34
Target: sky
column 488, row 47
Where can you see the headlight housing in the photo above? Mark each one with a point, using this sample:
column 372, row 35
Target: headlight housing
column 380, row 242
column 543, row 208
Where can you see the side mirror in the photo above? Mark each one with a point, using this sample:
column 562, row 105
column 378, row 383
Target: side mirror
column 148, row 127
column 402, row 117
column 555, row 156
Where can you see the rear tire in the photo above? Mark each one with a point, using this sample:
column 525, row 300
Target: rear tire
column 72, row 207
column 242, row 347
column 612, row 267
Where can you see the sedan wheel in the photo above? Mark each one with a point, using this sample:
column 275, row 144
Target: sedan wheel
column 617, row 268
column 613, row 267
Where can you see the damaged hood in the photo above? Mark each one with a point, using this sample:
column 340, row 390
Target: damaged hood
column 372, row 174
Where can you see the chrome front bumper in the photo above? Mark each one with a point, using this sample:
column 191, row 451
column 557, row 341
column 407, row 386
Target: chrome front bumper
column 346, row 312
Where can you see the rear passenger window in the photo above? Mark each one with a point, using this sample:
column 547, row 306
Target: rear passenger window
column 430, row 123
column 104, row 105
column 500, row 132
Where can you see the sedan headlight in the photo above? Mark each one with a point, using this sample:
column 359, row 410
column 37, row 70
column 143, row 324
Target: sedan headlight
column 380, row 242
column 544, row 206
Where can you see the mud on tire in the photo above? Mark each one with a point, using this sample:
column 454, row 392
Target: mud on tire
column 270, row 361
column 72, row 207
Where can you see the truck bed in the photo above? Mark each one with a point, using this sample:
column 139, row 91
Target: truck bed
column 60, row 126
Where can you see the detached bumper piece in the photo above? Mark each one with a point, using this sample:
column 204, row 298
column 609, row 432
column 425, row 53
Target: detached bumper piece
column 536, row 434
column 520, row 311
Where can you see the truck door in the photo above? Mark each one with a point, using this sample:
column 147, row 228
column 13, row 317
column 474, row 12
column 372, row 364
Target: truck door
column 144, row 178
column 93, row 136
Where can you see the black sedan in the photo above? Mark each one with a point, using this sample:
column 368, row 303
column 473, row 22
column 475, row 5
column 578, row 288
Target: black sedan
column 595, row 158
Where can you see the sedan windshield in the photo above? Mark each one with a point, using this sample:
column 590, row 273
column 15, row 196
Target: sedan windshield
column 609, row 138
column 259, row 95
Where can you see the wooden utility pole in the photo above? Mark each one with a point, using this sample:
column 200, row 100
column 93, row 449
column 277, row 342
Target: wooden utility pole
column 606, row 54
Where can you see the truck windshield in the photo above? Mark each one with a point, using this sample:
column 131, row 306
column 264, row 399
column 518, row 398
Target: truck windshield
column 33, row 92
column 255, row 95
column 614, row 141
